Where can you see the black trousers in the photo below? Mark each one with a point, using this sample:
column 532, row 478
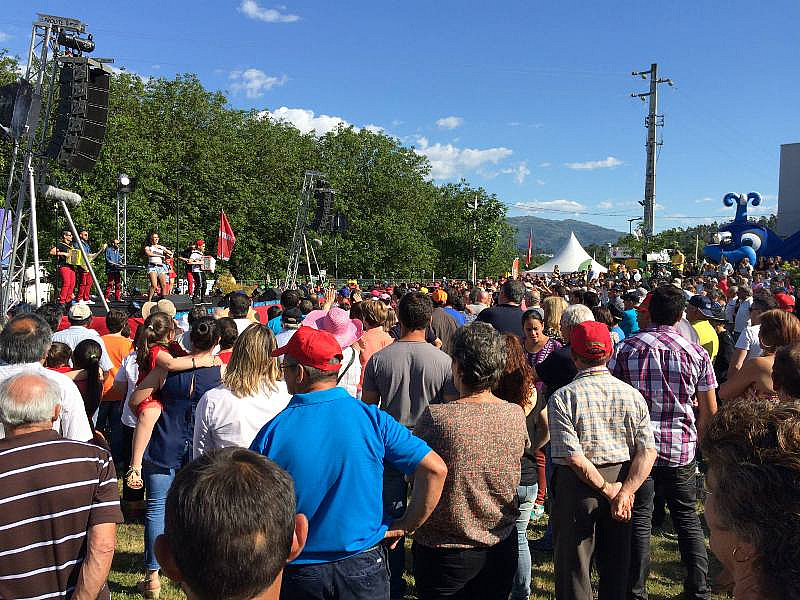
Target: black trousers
column 199, row 284
column 582, row 528
column 466, row 574
column 677, row 486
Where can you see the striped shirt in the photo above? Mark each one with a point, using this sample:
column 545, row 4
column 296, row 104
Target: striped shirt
column 600, row 417
column 52, row 490
column 668, row 370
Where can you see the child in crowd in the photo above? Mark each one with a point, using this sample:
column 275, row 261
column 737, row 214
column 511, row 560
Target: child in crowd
column 153, row 349
column 58, row 357
column 228, row 332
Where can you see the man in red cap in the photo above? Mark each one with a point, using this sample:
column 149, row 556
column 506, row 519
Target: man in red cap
column 603, row 449
column 785, row 301
column 334, row 447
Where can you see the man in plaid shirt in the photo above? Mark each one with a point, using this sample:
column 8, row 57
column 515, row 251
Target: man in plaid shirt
column 673, row 374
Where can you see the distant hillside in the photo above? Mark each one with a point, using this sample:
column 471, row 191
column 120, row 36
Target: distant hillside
column 549, row 236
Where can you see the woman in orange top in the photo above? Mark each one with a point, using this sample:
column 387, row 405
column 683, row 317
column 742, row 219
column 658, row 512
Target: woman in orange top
column 375, row 337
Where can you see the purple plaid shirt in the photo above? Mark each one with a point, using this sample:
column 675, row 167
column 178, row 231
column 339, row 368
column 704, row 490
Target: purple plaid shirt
column 667, row 369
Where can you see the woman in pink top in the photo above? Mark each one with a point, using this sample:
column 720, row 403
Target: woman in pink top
column 375, row 337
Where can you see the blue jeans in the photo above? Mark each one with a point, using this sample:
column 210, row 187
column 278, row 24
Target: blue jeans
column 109, row 416
column 395, row 494
column 526, row 496
column 156, row 484
column 364, row 576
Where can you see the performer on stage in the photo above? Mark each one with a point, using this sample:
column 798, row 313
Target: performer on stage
column 196, row 269
column 184, row 256
column 113, row 275
column 157, row 269
column 82, row 272
column 67, row 274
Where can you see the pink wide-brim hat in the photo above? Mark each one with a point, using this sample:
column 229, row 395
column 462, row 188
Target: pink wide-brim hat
column 338, row 323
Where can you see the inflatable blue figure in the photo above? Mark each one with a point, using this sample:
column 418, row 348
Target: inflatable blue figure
column 742, row 238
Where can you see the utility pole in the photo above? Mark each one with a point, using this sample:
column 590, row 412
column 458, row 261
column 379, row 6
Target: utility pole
column 652, row 121
column 473, row 267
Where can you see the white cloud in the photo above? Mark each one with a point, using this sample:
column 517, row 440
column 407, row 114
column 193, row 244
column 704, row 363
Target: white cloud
column 559, row 205
column 605, row 205
column 254, row 82
column 305, row 120
column 4, row 36
column 514, row 124
column 545, row 165
column 449, row 161
column 540, row 182
column 520, row 172
column 252, row 9
column 590, row 165
column 449, row 122
column 705, row 200
column 374, row 128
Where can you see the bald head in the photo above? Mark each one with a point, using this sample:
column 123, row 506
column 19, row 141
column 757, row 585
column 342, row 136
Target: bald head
column 25, row 339
column 28, row 399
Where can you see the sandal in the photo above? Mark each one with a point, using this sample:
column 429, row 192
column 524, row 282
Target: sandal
column 133, row 478
column 150, row 585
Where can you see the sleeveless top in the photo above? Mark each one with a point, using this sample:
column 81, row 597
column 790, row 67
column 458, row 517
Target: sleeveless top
column 171, row 443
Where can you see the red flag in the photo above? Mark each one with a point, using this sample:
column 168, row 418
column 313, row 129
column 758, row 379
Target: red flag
column 530, row 248
column 226, row 239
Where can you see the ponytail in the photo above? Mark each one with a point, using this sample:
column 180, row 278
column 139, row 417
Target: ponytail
column 86, row 356
column 156, row 330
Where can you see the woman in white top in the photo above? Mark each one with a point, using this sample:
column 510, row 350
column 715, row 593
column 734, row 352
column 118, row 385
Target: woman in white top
column 157, row 269
column 250, row 395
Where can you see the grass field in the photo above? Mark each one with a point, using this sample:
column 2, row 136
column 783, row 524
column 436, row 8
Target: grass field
column 665, row 580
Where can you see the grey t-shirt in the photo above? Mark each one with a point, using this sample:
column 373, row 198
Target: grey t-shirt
column 408, row 376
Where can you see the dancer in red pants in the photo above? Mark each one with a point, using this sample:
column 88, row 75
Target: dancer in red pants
column 61, row 252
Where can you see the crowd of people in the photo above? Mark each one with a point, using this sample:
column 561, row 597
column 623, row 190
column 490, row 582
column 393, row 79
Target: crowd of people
column 292, row 455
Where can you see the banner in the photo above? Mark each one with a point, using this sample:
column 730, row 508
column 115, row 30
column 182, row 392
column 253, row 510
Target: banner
column 515, row 268
column 226, row 239
column 530, row 248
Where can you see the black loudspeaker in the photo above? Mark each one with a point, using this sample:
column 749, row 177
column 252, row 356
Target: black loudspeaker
column 322, row 212
column 81, row 116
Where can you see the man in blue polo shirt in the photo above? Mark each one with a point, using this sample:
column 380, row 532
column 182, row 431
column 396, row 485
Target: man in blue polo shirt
column 334, row 447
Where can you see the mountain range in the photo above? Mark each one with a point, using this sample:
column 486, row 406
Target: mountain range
column 549, row 236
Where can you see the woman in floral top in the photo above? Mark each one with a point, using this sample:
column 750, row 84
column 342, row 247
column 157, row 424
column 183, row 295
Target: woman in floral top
column 468, row 546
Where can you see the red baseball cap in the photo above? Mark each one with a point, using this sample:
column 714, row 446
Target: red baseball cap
column 785, row 301
column 199, row 242
column 591, row 339
column 312, row 348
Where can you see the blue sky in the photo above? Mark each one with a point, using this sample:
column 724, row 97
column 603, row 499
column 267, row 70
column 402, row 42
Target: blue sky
column 527, row 99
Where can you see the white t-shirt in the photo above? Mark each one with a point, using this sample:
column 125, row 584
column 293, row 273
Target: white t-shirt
column 748, row 340
column 223, row 420
column 72, row 423
column 350, row 376
column 242, row 324
column 742, row 319
column 128, row 373
column 75, row 334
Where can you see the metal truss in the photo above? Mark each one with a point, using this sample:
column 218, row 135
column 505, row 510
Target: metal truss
column 28, row 163
column 299, row 237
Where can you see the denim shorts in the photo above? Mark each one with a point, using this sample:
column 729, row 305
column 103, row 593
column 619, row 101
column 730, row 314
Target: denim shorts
column 158, row 269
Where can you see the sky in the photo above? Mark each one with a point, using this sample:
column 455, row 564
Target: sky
column 529, row 100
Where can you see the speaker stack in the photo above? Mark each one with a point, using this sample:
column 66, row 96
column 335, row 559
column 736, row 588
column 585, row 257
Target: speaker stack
column 81, row 115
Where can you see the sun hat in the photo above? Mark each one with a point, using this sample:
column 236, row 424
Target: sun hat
column 312, row 348
column 338, row 323
column 147, row 308
column 79, row 311
column 167, row 306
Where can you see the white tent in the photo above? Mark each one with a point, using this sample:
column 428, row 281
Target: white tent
column 570, row 259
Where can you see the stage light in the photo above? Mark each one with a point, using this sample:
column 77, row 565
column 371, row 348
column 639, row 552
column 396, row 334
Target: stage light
column 125, row 184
